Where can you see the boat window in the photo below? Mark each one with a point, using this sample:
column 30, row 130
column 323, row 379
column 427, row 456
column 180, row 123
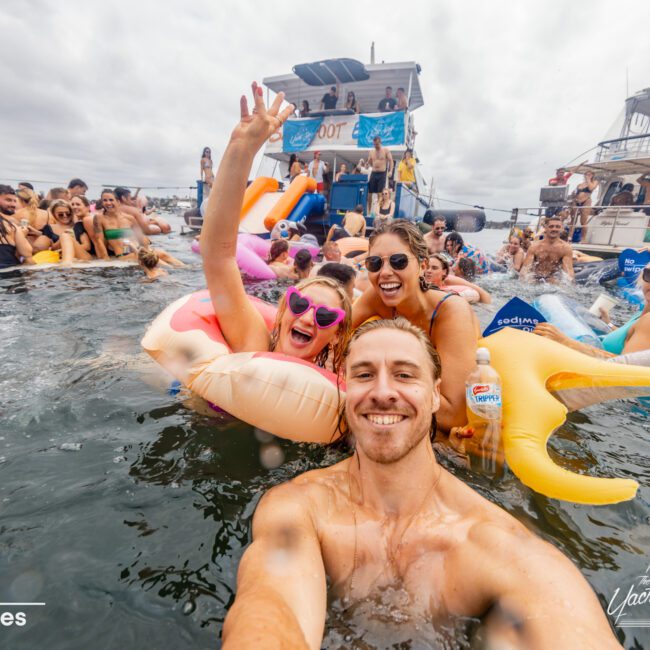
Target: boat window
column 614, row 188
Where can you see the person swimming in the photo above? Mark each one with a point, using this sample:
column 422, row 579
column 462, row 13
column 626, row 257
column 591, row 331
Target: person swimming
column 391, row 529
column 313, row 320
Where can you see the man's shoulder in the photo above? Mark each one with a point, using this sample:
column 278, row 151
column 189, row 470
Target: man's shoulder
column 313, row 483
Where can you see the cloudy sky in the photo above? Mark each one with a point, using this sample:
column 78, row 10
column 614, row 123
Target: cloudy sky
column 129, row 92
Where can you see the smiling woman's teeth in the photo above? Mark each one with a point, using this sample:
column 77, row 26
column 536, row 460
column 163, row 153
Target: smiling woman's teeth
column 390, row 286
column 385, row 419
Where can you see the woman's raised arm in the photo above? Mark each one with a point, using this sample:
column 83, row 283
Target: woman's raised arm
column 241, row 324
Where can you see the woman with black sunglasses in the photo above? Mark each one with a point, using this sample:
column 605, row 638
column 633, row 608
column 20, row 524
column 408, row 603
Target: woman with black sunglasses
column 313, row 319
column 633, row 336
column 396, row 262
column 64, row 235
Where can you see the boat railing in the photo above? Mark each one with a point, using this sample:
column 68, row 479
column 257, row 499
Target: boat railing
column 634, row 146
column 607, row 225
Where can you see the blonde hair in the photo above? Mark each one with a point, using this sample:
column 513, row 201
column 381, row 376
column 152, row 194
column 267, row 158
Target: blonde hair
column 60, row 203
column 338, row 348
column 399, row 324
column 29, row 198
column 148, row 257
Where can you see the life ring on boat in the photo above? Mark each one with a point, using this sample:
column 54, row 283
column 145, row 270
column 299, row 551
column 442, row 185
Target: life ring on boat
column 285, row 396
column 541, row 381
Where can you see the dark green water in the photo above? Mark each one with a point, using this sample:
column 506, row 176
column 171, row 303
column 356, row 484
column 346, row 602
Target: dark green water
column 126, row 511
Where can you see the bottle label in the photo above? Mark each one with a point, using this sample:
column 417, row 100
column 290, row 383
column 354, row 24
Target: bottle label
column 481, row 395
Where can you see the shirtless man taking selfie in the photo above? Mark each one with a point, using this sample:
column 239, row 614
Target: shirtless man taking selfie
column 389, row 517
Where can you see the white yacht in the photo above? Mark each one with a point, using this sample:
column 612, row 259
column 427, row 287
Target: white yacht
column 621, row 203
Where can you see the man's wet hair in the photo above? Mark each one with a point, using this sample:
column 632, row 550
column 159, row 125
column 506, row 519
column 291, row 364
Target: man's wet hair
column 467, row 268
column 303, row 259
column 77, row 182
column 7, row 189
column 342, row 273
column 121, row 192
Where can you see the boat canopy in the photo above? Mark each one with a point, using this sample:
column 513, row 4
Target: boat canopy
column 621, row 167
column 310, row 81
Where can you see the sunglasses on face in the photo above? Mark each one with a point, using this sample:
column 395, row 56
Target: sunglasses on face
column 646, row 274
column 58, row 215
column 324, row 316
column 398, row 261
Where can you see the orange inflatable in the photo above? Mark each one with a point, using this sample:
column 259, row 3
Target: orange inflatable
column 255, row 190
column 298, row 186
column 355, row 245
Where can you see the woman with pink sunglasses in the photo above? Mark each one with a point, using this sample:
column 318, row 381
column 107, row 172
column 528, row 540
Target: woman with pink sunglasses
column 313, row 319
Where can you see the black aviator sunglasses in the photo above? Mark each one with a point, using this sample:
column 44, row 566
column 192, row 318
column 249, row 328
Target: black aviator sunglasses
column 398, row 261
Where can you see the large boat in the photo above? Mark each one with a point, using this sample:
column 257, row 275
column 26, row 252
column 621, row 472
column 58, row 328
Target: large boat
column 342, row 136
column 621, row 204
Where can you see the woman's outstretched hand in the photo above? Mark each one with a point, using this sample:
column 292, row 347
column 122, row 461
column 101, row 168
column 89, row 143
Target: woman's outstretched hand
column 256, row 126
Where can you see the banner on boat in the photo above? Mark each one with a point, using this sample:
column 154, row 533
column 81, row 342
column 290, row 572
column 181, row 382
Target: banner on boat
column 331, row 132
column 297, row 135
column 390, row 128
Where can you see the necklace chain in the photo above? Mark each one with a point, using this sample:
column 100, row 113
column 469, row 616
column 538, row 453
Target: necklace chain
column 392, row 556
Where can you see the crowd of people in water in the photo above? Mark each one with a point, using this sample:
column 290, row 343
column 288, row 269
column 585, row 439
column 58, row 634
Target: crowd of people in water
column 388, row 517
column 65, row 227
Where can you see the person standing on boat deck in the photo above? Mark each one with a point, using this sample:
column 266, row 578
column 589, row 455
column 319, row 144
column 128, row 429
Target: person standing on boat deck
column 343, row 169
column 206, row 174
column 402, row 102
column 305, row 110
column 330, row 99
column 406, row 170
column 391, row 521
column 561, row 177
column 582, row 203
column 351, row 102
column 295, row 166
column 385, row 208
column 381, row 163
column 388, row 102
column 316, row 170
column 644, row 183
column 435, row 238
column 547, row 257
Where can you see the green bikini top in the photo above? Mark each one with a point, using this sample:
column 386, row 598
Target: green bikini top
column 118, row 233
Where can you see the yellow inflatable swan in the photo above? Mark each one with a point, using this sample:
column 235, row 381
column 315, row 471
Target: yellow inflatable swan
column 542, row 381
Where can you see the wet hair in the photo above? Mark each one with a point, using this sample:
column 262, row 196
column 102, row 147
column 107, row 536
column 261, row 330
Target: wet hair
column 60, row 203
column 148, row 257
column 278, row 247
column 517, row 237
column 342, row 273
column 121, row 192
column 399, row 324
column 29, row 198
column 411, row 235
column 337, row 349
column 207, row 153
column 456, row 239
column 444, row 221
column 303, row 259
column 77, row 182
column 330, row 245
column 553, row 217
column 358, row 208
column 7, row 189
column 444, row 261
column 467, row 268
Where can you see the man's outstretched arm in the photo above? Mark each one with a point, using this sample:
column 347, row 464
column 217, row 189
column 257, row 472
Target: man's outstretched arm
column 281, row 587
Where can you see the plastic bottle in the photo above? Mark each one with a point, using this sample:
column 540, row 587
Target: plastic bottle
column 483, row 395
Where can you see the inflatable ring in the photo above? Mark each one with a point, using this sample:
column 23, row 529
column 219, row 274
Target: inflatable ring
column 283, row 395
column 352, row 246
column 542, row 380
